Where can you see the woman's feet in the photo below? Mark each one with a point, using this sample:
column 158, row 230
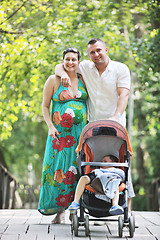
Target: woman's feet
column 59, row 218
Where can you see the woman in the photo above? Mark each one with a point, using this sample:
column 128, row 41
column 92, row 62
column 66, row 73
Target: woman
column 68, row 117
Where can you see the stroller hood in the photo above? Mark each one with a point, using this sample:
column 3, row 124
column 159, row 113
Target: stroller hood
column 105, row 137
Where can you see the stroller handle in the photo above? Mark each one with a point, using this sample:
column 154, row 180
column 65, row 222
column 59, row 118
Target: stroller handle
column 100, row 164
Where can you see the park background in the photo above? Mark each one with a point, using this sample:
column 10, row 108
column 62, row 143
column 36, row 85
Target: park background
column 33, row 35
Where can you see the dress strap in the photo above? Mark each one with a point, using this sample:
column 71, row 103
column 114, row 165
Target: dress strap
column 78, row 76
column 79, row 80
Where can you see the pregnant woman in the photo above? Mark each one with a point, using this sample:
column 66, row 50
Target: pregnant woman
column 65, row 123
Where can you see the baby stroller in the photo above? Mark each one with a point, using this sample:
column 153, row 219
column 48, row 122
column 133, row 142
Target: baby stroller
column 100, row 138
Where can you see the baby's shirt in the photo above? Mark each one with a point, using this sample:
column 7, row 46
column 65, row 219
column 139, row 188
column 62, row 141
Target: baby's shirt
column 117, row 172
column 110, row 179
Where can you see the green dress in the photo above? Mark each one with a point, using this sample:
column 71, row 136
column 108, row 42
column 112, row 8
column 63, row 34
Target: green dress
column 60, row 172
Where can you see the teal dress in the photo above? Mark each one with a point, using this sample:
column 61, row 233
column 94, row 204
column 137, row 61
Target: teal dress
column 60, row 171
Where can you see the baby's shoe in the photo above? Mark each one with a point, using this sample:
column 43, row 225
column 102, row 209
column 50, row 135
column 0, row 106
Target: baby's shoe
column 74, row 206
column 116, row 210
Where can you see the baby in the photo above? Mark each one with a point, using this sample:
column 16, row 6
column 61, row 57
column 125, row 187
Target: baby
column 110, row 178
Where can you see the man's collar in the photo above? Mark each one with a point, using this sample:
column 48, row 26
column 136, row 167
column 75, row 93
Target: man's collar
column 109, row 66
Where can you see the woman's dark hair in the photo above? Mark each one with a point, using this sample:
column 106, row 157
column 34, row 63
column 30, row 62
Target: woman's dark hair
column 74, row 50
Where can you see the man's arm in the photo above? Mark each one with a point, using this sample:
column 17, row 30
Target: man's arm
column 60, row 72
column 123, row 94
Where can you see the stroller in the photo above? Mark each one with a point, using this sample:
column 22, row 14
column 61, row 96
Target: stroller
column 100, row 138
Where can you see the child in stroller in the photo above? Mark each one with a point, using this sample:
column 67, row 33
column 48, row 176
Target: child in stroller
column 110, row 178
column 98, row 139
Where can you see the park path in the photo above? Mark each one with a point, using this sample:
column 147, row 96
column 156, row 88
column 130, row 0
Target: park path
column 31, row 225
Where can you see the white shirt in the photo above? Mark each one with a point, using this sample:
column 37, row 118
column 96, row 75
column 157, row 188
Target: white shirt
column 102, row 89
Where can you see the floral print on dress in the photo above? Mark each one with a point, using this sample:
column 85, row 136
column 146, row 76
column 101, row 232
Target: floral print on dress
column 79, row 94
column 69, row 178
column 63, row 200
column 65, row 95
column 57, row 118
column 70, row 111
column 59, row 176
column 59, row 145
column 67, row 120
column 63, row 143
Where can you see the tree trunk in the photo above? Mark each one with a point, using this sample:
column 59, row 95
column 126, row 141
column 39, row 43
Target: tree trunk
column 140, row 166
column 2, row 160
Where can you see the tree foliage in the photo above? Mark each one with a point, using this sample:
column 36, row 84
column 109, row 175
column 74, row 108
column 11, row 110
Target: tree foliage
column 33, row 35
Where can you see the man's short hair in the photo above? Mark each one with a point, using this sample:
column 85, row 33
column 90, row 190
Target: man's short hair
column 94, row 40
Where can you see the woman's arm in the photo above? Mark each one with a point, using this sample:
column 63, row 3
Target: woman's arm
column 48, row 91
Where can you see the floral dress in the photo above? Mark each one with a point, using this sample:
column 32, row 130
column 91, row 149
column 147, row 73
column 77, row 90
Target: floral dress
column 60, row 171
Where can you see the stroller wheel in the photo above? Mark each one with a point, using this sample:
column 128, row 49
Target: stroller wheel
column 131, row 226
column 86, row 225
column 72, row 227
column 133, row 215
column 75, row 224
column 120, row 226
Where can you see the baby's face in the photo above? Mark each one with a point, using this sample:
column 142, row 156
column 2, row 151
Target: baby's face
column 106, row 159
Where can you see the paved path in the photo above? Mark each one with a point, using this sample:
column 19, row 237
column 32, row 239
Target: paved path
column 31, row 225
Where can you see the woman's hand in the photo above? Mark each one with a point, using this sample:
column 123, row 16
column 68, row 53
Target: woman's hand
column 53, row 132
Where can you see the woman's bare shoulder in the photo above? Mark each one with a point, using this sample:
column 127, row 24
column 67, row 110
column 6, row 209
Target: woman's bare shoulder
column 53, row 80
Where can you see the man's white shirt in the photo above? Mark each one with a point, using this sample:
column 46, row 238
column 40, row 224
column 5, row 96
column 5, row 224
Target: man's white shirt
column 102, row 89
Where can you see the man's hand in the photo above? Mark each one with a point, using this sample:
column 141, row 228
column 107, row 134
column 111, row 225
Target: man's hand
column 115, row 118
column 60, row 72
column 66, row 82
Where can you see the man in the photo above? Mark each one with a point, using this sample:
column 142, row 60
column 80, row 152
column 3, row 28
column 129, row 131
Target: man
column 107, row 83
